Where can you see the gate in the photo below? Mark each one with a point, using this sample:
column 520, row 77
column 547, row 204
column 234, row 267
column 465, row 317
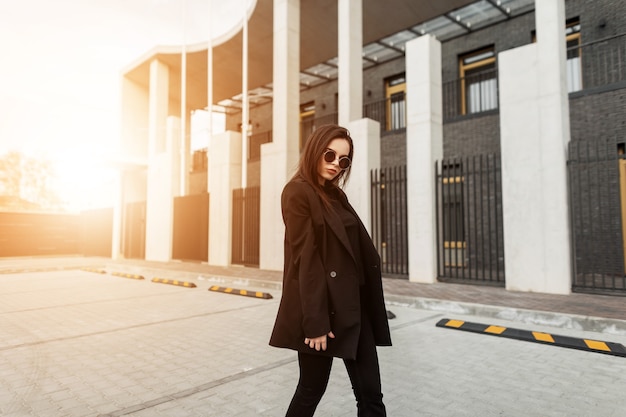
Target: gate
column 389, row 219
column 597, row 182
column 246, row 226
column 134, row 243
column 470, row 240
column 191, row 228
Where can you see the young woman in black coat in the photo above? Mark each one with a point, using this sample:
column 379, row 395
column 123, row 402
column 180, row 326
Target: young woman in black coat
column 332, row 303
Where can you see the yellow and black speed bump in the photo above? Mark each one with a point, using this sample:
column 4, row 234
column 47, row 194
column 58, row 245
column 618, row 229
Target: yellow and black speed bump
column 609, row 348
column 174, row 282
column 124, row 275
column 245, row 293
column 95, row 270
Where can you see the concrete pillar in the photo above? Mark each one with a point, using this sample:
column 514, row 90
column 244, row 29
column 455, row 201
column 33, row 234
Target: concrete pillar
column 365, row 134
column 158, row 97
column 280, row 157
column 350, row 22
column 158, row 100
column 424, row 137
column 224, row 176
column 163, row 186
column 534, row 123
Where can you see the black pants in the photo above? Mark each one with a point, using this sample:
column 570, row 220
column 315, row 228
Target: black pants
column 364, row 375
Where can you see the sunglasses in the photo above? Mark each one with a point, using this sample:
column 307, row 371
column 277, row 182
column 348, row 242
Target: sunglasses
column 331, row 156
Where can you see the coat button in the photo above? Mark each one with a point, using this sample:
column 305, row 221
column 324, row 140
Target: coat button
column 333, row 274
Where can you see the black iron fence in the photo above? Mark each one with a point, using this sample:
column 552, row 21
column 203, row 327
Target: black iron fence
column 246, row 226
column 597, row 181
column 597, row 64
column 389, row 219
column 470, row 239
column 390, row 112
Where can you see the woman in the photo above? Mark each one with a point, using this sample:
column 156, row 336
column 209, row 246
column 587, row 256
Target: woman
column 332, row 303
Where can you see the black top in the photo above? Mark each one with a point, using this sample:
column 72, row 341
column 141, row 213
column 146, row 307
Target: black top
column 350, row 223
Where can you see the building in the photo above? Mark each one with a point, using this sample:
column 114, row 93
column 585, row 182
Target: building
column 489, row 134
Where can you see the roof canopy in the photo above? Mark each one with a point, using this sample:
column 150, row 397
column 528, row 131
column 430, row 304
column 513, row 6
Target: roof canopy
column 394, row 20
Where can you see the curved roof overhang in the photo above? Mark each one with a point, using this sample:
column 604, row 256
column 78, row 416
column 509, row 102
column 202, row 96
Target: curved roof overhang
column 318, row 44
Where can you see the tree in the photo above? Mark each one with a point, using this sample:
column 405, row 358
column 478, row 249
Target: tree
column 25, row 182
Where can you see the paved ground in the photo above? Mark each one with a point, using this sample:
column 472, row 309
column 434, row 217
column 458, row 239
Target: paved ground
column 79, row 343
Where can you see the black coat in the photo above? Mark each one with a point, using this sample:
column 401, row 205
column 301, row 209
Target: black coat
column 320, row 282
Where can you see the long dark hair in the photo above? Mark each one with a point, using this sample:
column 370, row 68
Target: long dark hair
column 315, row 146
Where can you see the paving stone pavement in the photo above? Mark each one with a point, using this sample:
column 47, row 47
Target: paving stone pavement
column 79, row 343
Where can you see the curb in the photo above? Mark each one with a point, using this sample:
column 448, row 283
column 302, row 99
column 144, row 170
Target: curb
column 124, row 275
column 246, row 293
column 588, row 345
column 535, row 317
column 94, row 270
column 174, row 282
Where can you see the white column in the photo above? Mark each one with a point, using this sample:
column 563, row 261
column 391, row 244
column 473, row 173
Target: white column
column 224, row 176
column 209, row 95
column 157, row 118
column 280, row 157
column 163, row 186
column 424, row 137
column 534, row 123
column 185, row 149
column 244, row 102
column 365, row 134
column 350, row 36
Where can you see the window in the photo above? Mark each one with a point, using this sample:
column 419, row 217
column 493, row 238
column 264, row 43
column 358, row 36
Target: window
column 395, row 89
column 573, row 64
column 479, row 83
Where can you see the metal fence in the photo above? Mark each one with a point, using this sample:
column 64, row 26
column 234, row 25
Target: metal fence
column 389, row 219
column 597, row 182
column 470, row 240
column 597, row 64
column 473, row 94
column 390, row 112
column 246, row 226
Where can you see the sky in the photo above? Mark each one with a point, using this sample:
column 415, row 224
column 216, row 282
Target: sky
column 60, row 74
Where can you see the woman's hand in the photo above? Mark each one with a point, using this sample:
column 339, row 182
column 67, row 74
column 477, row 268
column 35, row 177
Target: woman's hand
column 318, row 343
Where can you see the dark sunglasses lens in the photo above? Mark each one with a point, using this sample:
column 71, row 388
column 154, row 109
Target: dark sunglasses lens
column 344, row 162
column 329, row 156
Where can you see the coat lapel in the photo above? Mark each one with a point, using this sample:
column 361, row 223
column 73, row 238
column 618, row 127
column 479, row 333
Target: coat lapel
column 336, row 225
column 331, row 218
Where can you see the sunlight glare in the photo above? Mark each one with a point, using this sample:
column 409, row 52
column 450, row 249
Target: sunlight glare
column 84, row 180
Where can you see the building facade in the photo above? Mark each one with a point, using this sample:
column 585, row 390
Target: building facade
column 492, row 141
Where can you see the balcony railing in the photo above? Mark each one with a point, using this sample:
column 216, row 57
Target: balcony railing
column 598, row 64
column 390, row 112
column 473, row 94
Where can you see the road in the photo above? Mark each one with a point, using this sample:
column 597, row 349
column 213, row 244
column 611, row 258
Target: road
column 79, row 343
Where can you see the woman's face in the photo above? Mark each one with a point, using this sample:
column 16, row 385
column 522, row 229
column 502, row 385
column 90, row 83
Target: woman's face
column 329, row 170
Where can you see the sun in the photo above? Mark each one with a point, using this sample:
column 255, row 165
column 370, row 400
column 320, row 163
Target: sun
column 83, row 178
